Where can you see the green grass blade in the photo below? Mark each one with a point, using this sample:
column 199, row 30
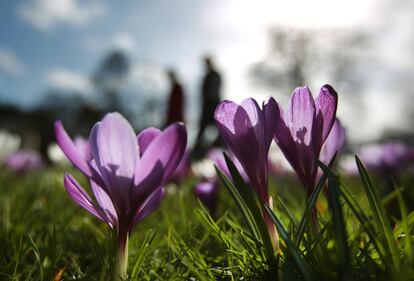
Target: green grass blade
column 379, row 214
column 363, row 219
column 141, row 253
column 287, row 211
column 250, row 198
column 246, row 214
column 311, row 205
column 37, row 255
column 405, row 226
column 292, row 250
column 341, row 237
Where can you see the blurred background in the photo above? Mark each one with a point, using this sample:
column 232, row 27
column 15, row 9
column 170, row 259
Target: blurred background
column 74, row 60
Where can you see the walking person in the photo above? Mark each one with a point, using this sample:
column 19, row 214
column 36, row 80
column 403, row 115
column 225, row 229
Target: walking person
column 210, row 98
column 175, row 109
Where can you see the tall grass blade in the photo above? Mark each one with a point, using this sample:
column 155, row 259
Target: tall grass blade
column 250, row 198
column 380, row 216
column 405, row 227
column 246, row 213
column 363, row 219
column 293, row 251
column 141, row 253
column 311, row 205
column 341, row 237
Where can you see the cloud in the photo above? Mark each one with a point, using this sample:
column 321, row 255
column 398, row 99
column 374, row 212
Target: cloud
column 125, row 42
column 45, row 14
column 10, row 63
column 148, row 77
column 67, row 80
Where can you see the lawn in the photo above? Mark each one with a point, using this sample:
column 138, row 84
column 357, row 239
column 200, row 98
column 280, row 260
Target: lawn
column 44, row 236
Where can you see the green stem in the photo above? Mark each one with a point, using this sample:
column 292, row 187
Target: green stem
column 271, row 228
column 121, row 260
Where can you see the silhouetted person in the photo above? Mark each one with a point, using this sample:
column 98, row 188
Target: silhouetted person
column 175, row 110
column 210, row 95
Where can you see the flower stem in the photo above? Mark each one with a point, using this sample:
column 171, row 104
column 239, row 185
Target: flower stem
column 271, row 228
column 121, row 260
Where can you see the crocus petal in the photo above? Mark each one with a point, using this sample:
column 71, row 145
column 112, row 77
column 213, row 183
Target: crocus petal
column 217, row 157
column 70, row 149
column 237, row 130
column 326, row 104
column 83, row 147
column 255, row 116
column 301, row 114
column 287, row 144
column 271, row 116
column 225, row 113
column 152, row 203
column 145, row 137
column 166, row 149
column 80, row 197
column 148, row 178
column 115, row 151
column 334, row 143
column 183, row 168
column 284, row 139
column 105, row 203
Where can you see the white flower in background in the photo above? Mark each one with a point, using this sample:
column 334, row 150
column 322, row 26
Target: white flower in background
column 9, row 144
column 56, row 155
column 204, row 168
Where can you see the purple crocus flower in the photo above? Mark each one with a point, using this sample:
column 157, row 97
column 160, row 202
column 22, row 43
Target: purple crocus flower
column 23, row 161
column 126, row 173
column 206, row 191
column 304, row 128
column 248, row 131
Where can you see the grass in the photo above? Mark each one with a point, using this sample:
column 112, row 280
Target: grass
column 45, row 236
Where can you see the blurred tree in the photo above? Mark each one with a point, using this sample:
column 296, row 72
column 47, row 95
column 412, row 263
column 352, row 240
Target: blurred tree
column 80, row 110
column 300, row 57
column 35, row 127
column 111, row 77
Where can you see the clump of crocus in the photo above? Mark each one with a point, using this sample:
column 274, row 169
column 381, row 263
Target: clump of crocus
column 24, row 161
column 303, row 129
column 387, row 158
column 248, row 131
column 126, row 173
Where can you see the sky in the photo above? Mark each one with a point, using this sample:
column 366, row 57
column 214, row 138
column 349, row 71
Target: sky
column 57, row 44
